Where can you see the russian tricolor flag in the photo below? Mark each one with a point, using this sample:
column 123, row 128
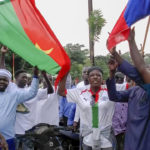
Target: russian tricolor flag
column 134, row 11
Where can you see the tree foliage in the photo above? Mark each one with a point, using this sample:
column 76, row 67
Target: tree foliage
column 96, row 22
column 127, row 57
column 78, row 55
column 147, row 58
column 102, row 62
column 19, row 63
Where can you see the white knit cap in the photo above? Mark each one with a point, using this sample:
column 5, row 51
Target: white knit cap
column 5, row 73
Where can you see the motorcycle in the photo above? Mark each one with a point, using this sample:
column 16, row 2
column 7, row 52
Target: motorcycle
column 49, row 137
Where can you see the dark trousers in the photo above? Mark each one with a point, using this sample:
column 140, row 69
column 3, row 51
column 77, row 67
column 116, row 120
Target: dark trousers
column 11, row 144
column 120, row 141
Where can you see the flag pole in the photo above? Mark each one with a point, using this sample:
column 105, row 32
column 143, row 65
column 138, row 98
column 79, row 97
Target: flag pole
column 13, row 67
column 146, row 32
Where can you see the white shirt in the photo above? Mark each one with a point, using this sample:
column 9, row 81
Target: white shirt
column 48, row 110
column 121, row 87
column 77, row 113
column 82, row 97
column 27, row 121
column 80, row 84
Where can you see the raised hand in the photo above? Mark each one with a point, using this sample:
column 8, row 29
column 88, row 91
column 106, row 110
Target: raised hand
column 48, row 83
column 36, row 71
column 4, row 49
column 112, row 65
column 43, row 72
column 113, row 50
column 131, row 37
column 75, row 126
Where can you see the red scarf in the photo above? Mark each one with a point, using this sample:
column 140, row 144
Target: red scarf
column 96, row 95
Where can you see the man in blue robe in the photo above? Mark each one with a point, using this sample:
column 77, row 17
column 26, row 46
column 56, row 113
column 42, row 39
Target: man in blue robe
column 138, row 124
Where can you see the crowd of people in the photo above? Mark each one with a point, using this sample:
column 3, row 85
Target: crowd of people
column 111, row 116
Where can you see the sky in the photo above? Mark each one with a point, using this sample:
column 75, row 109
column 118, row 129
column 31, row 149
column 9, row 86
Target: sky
column 68, row 20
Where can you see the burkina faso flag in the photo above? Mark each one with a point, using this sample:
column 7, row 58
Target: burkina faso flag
column 24, row 30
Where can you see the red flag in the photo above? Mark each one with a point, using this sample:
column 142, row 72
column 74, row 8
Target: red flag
column 25, row 31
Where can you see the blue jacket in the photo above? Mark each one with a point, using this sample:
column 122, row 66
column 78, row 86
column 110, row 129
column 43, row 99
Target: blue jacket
column 67, row 109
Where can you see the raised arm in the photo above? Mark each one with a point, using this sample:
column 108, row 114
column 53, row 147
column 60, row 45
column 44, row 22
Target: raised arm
column 24, row 95
column 116, row 96
column 2, row 59
column 72, row 95
column 126, row 68
column 112, row 93
column 137, row 58
column 116, row 56
column 50, row 89
column 62, row 86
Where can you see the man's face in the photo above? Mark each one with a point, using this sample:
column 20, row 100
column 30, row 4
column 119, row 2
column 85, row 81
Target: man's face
column 3, row 83
column 22, row 80
column 85, row 74
column 119, row 80
column 29, row 80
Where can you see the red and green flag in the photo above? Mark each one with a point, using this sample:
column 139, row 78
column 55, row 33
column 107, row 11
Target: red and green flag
column 24, row 30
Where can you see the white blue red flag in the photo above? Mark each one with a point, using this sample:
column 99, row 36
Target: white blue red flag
column 134, row 11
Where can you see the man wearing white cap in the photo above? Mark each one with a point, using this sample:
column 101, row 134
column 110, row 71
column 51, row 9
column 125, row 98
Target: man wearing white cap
column 5, row 78
column 10, row 97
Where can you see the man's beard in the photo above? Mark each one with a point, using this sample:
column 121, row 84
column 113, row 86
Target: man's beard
column 2, row 89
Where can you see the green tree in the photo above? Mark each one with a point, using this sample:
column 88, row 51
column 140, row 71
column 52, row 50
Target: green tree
column 96, row 22
column 127, row 56
column 19, row 63
column 76, row 53
column 79, row 57
column 102, row 62
column 147, row 58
